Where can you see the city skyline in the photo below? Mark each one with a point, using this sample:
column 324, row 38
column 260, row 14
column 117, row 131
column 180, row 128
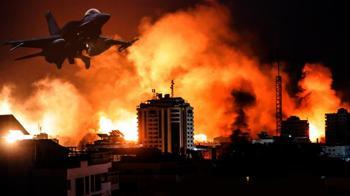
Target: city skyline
column 164, row 97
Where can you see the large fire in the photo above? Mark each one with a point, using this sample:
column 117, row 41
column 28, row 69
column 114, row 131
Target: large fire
column 199, row 50
column 127, row 126
column 318, row 98
column 200, row 138
column 15, row 135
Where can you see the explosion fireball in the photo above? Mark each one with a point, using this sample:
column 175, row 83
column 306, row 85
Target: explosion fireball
column 200, row 138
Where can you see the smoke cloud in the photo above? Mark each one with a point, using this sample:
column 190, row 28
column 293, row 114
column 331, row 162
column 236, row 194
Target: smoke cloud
column 243, row 98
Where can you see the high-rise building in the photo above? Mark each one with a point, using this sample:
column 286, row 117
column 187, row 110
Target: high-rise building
column 338, row 127
column 295, row 128
column 166, row 123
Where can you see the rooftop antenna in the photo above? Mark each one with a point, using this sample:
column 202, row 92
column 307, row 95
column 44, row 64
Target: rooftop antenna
column 39, row 127
column 172, row 88
column 154, row 93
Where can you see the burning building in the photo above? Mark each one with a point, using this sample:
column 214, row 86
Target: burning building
column 166, row 123
column 113, row 140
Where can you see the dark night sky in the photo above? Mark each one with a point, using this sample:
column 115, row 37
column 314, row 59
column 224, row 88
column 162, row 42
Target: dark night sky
column 297, row 31
column 294, row 31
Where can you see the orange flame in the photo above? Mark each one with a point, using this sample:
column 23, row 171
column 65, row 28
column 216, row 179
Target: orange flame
column 127, row 126
column 200, row 138
column 318, row 98
column 15, row 135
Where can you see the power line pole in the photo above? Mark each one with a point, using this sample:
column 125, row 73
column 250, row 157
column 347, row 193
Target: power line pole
column 278, row 101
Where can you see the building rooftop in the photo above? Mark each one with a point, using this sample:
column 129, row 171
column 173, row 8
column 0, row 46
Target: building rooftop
column 294, row 119
column 9, row 122
column 164, row 101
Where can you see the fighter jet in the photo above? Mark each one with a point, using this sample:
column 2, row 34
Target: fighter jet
column 77, row 39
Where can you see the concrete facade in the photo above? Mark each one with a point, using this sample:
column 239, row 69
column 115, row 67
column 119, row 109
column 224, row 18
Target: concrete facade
column 166, row 123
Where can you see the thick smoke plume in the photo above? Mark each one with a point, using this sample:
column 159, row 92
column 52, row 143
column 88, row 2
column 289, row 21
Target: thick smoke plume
column 243, row 99
column 195, row 47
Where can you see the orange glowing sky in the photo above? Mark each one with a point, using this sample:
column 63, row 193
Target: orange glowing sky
column 201, row 57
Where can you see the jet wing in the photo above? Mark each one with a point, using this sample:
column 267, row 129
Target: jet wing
column 32, row 43
column 114, row 41
column 122, row 44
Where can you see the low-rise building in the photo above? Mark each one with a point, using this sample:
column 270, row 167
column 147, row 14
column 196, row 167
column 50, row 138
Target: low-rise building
column 89, row 179
column 294, row 127
column 340, row 152
column 338, row 128
column 263, row 141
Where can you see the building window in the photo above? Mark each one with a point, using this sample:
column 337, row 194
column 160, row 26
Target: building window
column 97, row 182
column 68, row 185
column 92, row 183
column 104, row 177
column 79, row 186
column 175, row 115
column 152, row 112
column 87, row 184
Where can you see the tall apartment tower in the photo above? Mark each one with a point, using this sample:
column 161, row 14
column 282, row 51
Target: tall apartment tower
column 166, row 123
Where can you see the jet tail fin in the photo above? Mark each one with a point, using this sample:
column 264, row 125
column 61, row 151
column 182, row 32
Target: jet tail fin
column 52, row 24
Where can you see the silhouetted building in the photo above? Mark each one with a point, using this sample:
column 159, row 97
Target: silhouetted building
column 264, row 141
column 43, row 167
column 338, row 127
column 114, row 139
column 9, row 122
column 222, row 139
column 41, row 136
column 263, row 138
column 33, row 167
column 166, row 123
column 89, row 179
column 293, row 127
